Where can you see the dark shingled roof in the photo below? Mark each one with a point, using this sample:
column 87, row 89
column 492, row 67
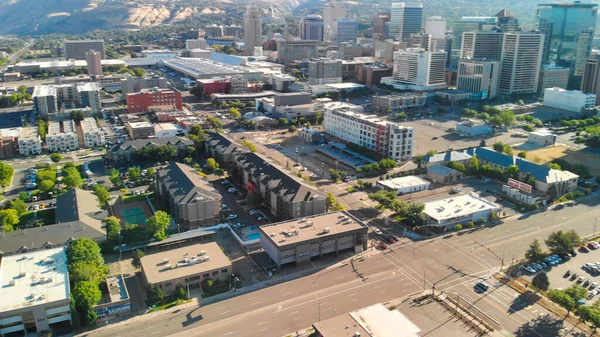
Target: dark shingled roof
column 140, row 143
column 185, row 184
column 222, row 144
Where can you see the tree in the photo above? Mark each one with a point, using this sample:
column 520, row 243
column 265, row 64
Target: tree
column 87, row 295
column 139, row 72
column 458, row 227
column 133, row 233
column 292, row 129
column 18, row 205
column 332, row 205
column 55, row 157
column 554, row 166
column 212, row 164
column 154, row 295
column 508, row 118
column 73, row 180
column 590, row 314
column 535, row 252
column 508, row 150
column 180, row 292
column 561, row 298
column 283, row 122
column 318, row 117
column 469, row 112
column 559, row 243
column 576, row 292
column 42, row 129
column 574, row 238
column 482, row 143
column 113, row 228
column 499, row 147
column 46, row 185
column 137, row 258
column 134, row 173
column 9, row 218
column 115, row 177
column 541, row 281
column 387, row 163
column 522, row 154
column 418, row 160
column 158, row 224
column 214, row 122
column 86, row 250
column 83, row 271
column 334, row 175
column 249, row 145
column 102, row 194
column 77, row 116
column 474, row 165
column 151, row 172
column 235, row 113
column 512, row 171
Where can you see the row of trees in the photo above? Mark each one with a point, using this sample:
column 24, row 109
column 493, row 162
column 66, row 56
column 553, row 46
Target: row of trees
column 6, row 174
column 384, row 164
column 409, row 213
column 559, row 242
column 331, row 204
column 504, row 118
column 162, row 153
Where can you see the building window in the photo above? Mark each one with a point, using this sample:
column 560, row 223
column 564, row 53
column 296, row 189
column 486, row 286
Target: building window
column 214, row 273
column 205, row 275
column 168, row 284
column 224, row 271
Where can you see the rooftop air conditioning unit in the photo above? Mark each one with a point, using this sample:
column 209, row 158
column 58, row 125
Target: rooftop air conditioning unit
column 309, row 223
column 202, row 252
column 206, row 258
column 168, row 266
column 326, row 230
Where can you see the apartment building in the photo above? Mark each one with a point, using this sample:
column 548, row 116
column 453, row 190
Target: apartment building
column 9, row 144
column 199, row 43
column 140, row 130
column 124, row 154
column 281, row 82
column 135, row 84
column 479, row 77
column 62, row 139
column 89, row 96
column 92, row 135
column 399, row 102
column 44, row 100
column 324, row 71
column 141, row 101
column 30, row 143
column 385, row 137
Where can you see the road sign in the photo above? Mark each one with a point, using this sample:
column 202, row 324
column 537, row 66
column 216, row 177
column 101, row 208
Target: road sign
column 519, row 185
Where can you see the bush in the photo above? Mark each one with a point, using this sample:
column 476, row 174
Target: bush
column 471, row 224
column 458, row 227
column 180, row 292
column 350, row 189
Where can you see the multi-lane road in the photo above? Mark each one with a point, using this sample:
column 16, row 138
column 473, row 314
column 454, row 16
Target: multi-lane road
column 15, row 56
column 453, row 264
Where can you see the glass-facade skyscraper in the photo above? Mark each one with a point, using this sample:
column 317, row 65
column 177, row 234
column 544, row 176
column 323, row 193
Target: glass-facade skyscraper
column 406, row 19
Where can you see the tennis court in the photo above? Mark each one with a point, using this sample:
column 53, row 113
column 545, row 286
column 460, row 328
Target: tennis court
column 133, row 216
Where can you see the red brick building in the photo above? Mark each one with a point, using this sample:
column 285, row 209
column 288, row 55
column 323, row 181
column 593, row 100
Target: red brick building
column 214, row 86
column 141, row 101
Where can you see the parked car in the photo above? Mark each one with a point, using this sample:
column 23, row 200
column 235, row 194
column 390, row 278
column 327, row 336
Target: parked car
column 568, row 273
column 232, row 216
column 584, row 249
column 377, row 231
column 254, row 212
column 580, row 279
column 232, row 190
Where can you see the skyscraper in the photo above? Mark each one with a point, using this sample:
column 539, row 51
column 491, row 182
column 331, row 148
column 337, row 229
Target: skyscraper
column 252, row 28
column 379, row 21
column 468, row 24
column 436, row 27
column 415, row 66
column 482, row 45
column 590, row 83
column 584, row 49
column 478, row 77
column 507, row 21
column 311, row 28
column 521, row 63
column 347, row 30
column 562, row 24
column 407, row 18
column 93, row 60
column 332, row 11
column 76, row 49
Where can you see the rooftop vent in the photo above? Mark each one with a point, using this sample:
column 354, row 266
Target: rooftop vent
column 168, row 266
column 202, row 252
column 326, row 230
column 206, row 258
column 309, row 223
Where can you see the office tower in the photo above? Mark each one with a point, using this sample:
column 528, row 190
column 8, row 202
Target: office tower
column 507, row 22
column 213, row 31
column 415, row 66
column 421, row 40
column 591, row 76
column 347, row 30
column 324, row 71
column 467, row 24
column 232, row 30
column 552, row 76
column 561, row 24
column 407, row 18
column 479, row 77
column 195, row 44
column 482, row 45
column 584, row 49
column 290, row 51
column 379, row 21
column 76, row 49
column 93, row 60
column 436, row 27
column 311, row 28
column 332, row 11
column 521, row 63
column 252, row 28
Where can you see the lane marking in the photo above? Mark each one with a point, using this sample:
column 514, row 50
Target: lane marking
column 261, row 323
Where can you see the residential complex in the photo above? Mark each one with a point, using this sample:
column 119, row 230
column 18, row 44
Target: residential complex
column 35, row 291
column 49, row 99
column 124, row 153
column 141, row 101
column 302, row 239
column 387, row 138
column 571, row 100
column 75, row 50
column 30, row 143
column 62, row 139
column 45, row 100
column 192, row 200
column 324, row 71
column 92, row 135
column 186, row 267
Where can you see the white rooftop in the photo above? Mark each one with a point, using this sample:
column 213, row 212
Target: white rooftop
column 165, row 127
column 458, row 206
column 88, row 124
column 541, row 132
column 29, row 132
column 44, row 91
column 378, row 321
column 33, row 278
column 134, row 125
column 402, row 182
column 10, row 132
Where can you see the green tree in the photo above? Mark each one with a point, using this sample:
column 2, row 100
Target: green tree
column 154, row 295
column 42, row 129
column 9, row 218
column 482, row 143
column 23, row 196
column 134, row 233
column 334, row 175
column 283, row 122
column 212, row 164
column 561, row 298
column 458, row 227
column 474, row 165
column 73, row 180
column 77, row 116
column 331, row 204
column 151, row 172
column 318, row 117
column 469, row 112
column 180, row 292
column 83, row 271
column 541, row 281
column 512, row 171
column 522, row 154
column 507, row 150
column 574, row 238
column 134, row 173
column 292, row 129
column 86, row 250
column 115, row 177
column 418, row 160
column 499, row 147
column 113, row 228
column 18, row 205
column 139, row 72
column 46, row 185
column 102, row 194
column 158, row 224
column 235, row 113
column 215, row 122
column 137, row 258
column 87, row 295
column 554, row 166
column 559, row 243
column 249, row 145
column 590, row 314
column 535, row 252
column 576, row 292
column 55, row 157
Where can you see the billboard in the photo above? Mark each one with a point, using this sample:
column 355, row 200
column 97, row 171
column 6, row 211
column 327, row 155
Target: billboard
column 519, row 185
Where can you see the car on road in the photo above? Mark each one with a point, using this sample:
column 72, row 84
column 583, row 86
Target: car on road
column 261, row 218
column 224, row 206
column 389, row 239
column 434, row 137
column 232, row 216
column 224, row 182
column 36, row 207
column 232, row 190
column 377, row 231
column 481, row 287
column 592, row 246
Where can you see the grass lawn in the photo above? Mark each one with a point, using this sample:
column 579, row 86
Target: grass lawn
column 129, row 198
column 47, row 216
column 168, row 305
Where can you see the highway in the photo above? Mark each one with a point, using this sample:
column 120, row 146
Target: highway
column 453, row 264
column 15, row 56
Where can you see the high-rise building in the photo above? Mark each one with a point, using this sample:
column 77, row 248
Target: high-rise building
column 590, row 83
column 232, row 30
column 252, row 28
column 436, row 27
column 467, row 24
column 421, row 40
column 406, row 19
column 507, row 21
column 76, row 49
column 93, row 60
column 482, row 45
column 347, row 30
column 332, row 11
column 324, row 71
column 311, row 28
column 290, row 51
column 199, row 43
column 415, row 66
column 562, row 23
column 479, row 77
column 521, row 63
column 44, row 100
column 552, row 76
column 584, row 49
column 379, row 21
column 88, row 96
column 213, row 31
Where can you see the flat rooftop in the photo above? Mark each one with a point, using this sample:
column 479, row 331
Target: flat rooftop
column 197, row 67
column 402, row 182
column 458, row 206
column 89, row 124
column 33, row 278
column 171, row 264
column 29, row 132
column 317, row 226
column 165, row 127
column 373, row 321
column 135, row 125
column 44, row 91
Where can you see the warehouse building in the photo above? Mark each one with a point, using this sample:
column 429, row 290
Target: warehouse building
column 187, row 266
column 403, row 185
column 459, row 210
column 300, row 240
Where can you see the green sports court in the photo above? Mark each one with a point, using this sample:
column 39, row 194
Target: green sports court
column 133, row 216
